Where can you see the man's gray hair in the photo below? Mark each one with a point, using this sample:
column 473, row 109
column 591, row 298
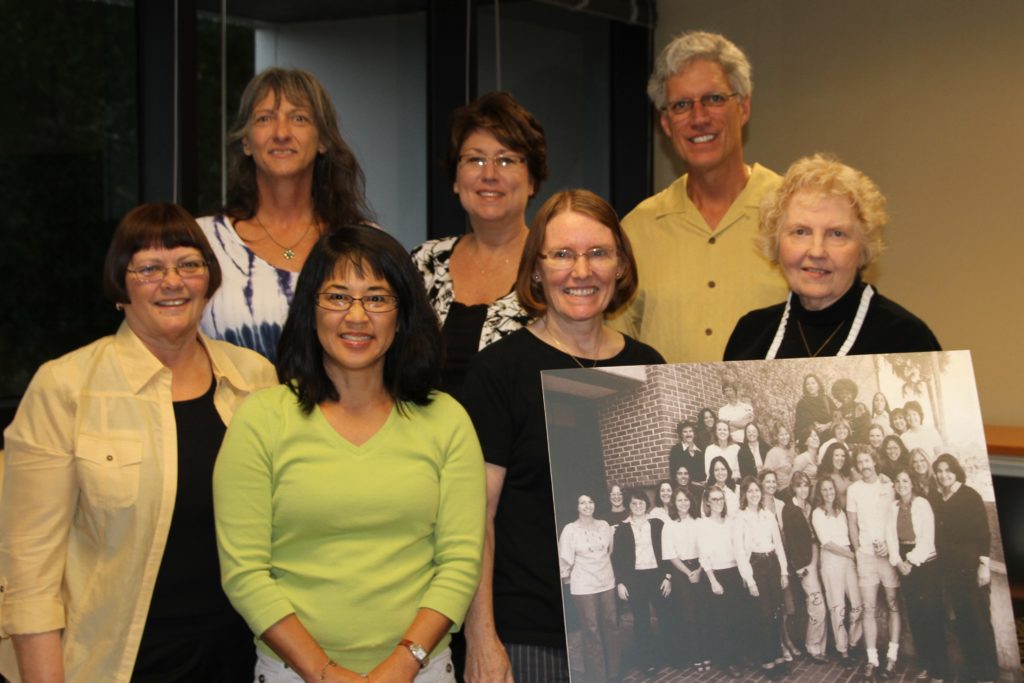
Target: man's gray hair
column 692, row 45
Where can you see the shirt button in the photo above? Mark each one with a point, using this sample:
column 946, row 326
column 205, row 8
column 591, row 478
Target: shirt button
column 708, row 332
column 711, row 240
column 711, row 284
column 109, row 457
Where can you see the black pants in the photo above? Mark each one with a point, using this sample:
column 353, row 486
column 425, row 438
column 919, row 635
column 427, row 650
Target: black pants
column 644, row 586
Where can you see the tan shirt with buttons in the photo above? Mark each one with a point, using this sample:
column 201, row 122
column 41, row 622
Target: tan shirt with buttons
column 694, row 283
column 90, row 474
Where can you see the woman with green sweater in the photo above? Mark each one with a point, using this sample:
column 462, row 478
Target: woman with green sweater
column 336, row 586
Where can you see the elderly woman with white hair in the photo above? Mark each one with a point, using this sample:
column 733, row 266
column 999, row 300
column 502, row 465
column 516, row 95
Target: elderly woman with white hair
column 822, row 227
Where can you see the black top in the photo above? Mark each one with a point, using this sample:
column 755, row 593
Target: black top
column 677, row 457
column 624, row 549
column 187, row 598
column 503, row 396
column 461, row 332
column 797, row 537
column 888, row 328
column 961, row 529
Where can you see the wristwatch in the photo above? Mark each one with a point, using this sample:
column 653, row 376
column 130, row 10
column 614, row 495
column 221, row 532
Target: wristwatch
column 417, row 651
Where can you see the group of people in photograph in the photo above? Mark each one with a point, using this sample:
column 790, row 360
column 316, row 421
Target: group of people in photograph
column 762, row 549
column 201, row 496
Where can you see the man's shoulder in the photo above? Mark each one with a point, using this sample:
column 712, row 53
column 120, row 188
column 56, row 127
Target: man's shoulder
column 671, row 199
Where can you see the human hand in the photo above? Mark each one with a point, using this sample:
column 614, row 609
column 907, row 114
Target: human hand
column 716, row 588
column 398, row 667
column 904, row 568
column 785, row 581
column 487, row 661
column 666, row 588
column 752, row 587
column 984, row 575
column 623, row 592
column 694, row 576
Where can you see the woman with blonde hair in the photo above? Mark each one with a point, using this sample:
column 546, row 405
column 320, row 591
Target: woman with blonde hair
column 823, row 227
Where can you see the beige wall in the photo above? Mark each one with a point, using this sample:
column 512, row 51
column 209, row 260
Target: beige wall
column 927, row 98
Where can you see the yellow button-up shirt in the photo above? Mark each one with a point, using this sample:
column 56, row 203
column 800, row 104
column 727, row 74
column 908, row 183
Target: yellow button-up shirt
column 88, row 493
column 694, row 283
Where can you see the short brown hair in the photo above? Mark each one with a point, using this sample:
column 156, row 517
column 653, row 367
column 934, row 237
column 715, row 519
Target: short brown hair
column 154, row 226
column 531, row 292
column 499, row 114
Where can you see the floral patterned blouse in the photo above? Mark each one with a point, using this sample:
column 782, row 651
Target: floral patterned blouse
column 432, row 258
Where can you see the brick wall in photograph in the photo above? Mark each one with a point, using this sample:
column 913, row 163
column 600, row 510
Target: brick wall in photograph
column 639, row 427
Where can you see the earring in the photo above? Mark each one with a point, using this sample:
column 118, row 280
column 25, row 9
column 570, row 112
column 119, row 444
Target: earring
column 618, row 276
column 119, row 307
column 536, row 278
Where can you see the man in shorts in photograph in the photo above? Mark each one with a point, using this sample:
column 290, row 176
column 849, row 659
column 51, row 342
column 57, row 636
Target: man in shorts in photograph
column 868, row 505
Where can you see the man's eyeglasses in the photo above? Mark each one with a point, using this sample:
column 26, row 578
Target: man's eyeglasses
column 681, row 109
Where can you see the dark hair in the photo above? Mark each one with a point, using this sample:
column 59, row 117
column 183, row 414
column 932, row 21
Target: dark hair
column 637, row 494
column 954, row 466
column 844, row 384
column 531, row 291
column 914, row 406
column 657, row 493
column 683, row 424
column 913, row 482
column 499, row 114
column 412, row 362
column 756, row 428
column 747, row 482
column 673, row 511
column 904, row 458
column 728, row 471
column 897, row 413
column 338, row 181
column 576, row 501
column 154, row 226
column 796, row 480
column 805, row 435
column 827, row 466
column 821, row 386
column 703, row 412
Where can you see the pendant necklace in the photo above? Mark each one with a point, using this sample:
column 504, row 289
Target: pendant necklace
column 858, row 321
column 807, row 346
column 287, row 252
column 562, row 348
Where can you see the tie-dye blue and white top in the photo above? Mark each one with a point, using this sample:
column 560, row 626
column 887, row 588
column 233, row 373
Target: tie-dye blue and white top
column 252, row 303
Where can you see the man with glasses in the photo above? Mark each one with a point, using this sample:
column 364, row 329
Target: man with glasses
column 699, row 269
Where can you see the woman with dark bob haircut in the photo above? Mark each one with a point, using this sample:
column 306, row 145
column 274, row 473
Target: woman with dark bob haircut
column 108, row 550
column 576, row 267
column 497, row 160
column 306, row 549
column 278, row 204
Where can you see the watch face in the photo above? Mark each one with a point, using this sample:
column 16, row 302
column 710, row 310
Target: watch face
column 418, row 651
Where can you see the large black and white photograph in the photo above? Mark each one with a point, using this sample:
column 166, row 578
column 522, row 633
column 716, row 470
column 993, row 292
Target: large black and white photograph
column 811, row 519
